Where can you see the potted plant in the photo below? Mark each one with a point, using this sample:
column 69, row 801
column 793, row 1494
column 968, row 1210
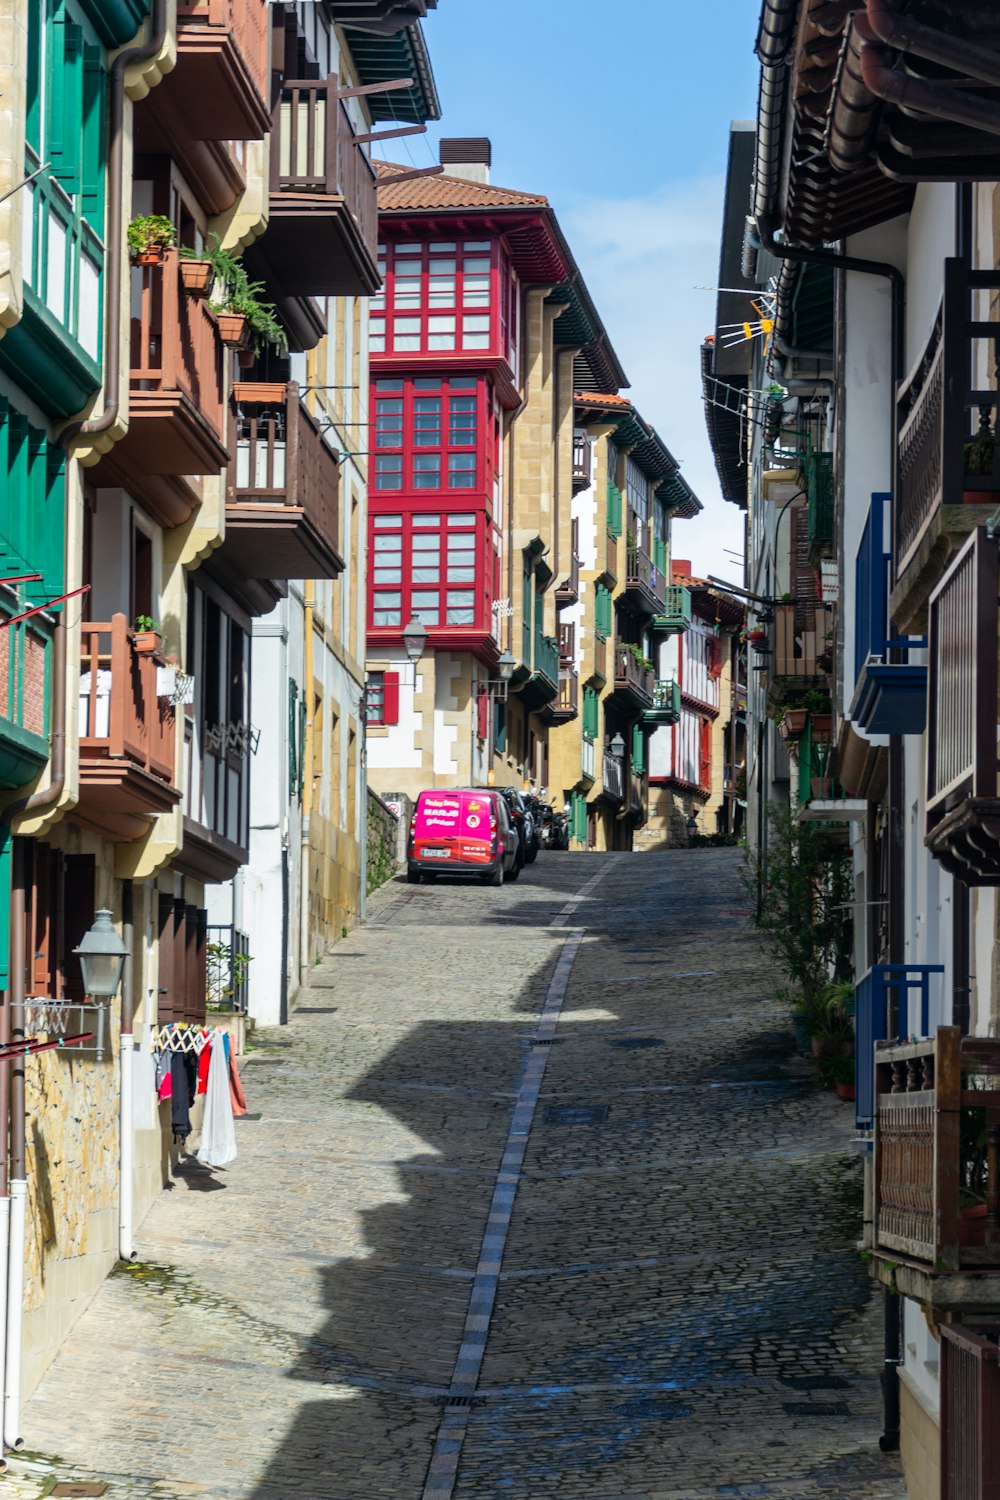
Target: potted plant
column 149, row 237
column 245, row 322
column 146, row 636
column 819, row 706
column 196, row 272
column 979, row 454
column 792, row 723
column 839, row 1070
column 832, row 1021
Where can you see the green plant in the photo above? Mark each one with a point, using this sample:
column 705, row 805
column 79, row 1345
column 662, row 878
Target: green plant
column 837, row 1068
column 227, row 973
column 803, row 890
column 979, row 452
column 639, row 656
column 144, row 623
column 236, row 293
column 817, row 701
column 149, row 232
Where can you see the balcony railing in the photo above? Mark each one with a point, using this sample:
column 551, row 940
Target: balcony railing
column 613, row 776
column 177, row 420
column 587, row 758
column 323, row 206
column 568, row 591
column 222, row 46
column 666, row 707
column 963, row 808
column 891, row 1001
column 581, row 461
column 676, row 614
column 637, row 793
column 566, row 635
column 645, row 579
column 890, row 695
column 970, row 1412
column 283, row 512
column 122, row 718
column 797, row 641
column 942, row 409
column 566, row 703
column 633, row 677
column 24, row 693
column 819, row 488
column 936, row 1102
column 547, row 657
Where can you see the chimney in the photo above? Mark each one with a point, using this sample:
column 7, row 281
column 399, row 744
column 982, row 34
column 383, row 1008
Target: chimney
column 466, row 156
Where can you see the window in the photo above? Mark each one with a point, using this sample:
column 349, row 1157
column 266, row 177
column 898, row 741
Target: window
column 461, row 471
column 590, row 711
column 461, row 607
column 382, row 698
column 389, row 471
column 428, row 565
column 427, row 471
column 426, row 606
column 429, row 286
column 426, row 421
column 435, row 426
column 388, row 422
column 637, row 489
column 602, row 611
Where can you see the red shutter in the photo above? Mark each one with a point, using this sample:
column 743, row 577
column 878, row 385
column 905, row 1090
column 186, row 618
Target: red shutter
column 390, row 697
column 482, row 714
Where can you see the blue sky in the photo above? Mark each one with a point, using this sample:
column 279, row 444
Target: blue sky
column 618, row 111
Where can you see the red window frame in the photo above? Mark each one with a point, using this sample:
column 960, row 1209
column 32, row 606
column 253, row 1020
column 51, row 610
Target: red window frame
column 416, row 528
column 414, row 272
column 402, row 423
column 384, row 701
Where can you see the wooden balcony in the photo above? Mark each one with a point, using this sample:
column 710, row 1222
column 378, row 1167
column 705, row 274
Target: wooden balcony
column 283, row 494
column 220, row 84
column 796, row 642
column 126, row 735
column 322, row 231
column 568, row 591
column 645, row 582
column 936, row 1226
column 963, row 805
column 566, row 702
column 666, row 707
column 541, row 686
column 176, row 389
column 970, row 1411
column 944, row 405
column 634, row 682
column 581, row 462
column 675, row 616
column 566, row 636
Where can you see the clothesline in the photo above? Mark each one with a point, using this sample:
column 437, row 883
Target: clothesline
column 179, row 1036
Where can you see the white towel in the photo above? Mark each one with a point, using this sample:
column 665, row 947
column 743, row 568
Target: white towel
column 218, row 1133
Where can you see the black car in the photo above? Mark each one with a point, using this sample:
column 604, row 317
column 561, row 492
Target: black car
column 523, row 821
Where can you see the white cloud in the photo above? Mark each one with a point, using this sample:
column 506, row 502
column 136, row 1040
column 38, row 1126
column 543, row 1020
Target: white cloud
column 642, row 260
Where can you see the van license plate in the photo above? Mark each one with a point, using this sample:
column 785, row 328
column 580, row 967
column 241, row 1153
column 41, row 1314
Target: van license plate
column 436, row 854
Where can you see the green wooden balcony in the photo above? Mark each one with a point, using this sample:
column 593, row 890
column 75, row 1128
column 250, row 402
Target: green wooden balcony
column 25, row 649
column 676, row 615
column 666, row 707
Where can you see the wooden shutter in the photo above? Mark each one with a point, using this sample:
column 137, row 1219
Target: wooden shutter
column 390, row 697
column 482, row 712
column 92, row 141
column 168, row 1006
column 65, row 103
column 78, row 905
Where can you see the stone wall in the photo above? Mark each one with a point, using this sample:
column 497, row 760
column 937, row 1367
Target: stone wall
column 383, row 842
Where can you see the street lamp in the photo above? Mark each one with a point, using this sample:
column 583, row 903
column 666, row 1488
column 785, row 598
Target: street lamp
column 617, row 746
column 505, row 667
column 102, row 956
column 414, row 639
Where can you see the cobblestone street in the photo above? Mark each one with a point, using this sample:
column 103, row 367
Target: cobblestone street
column 533, row 1200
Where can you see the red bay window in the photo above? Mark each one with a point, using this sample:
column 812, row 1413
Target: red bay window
column 434, row 433
column 432, row 566
column 439, row 295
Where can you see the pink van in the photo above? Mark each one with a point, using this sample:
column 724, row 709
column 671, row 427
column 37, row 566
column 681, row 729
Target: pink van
column 462, row 833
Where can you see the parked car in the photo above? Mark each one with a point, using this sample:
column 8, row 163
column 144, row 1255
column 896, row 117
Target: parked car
column 524, row 822
column 462, row 832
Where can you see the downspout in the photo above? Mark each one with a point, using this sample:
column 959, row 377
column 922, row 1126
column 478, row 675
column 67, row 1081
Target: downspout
column 309, row 608
column 116, row 195
column 126, row 1114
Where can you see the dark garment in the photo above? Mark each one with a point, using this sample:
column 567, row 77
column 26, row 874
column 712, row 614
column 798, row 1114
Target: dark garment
column 184, row 1081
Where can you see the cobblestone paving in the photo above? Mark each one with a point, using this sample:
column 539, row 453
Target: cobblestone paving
column 679, row 1311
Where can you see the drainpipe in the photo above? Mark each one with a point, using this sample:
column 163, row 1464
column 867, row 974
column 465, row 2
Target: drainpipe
column 126, row 1113
column 913, row 95
column 309, row 608
column 116, row 195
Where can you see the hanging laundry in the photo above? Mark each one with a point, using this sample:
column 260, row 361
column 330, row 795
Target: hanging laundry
column 204, row 1062
column 163, row 1079
column 236, row 1094
column 218, row 1134
column 184, row 1080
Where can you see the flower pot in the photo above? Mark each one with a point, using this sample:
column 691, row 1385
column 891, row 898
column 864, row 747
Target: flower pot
column 979, row 497
column 196, row 276
column 247, row 358
column 259, row 393
column 146, row 642
column 793, row 724
column 153, row 256
column 233, row 329
column 821, row 724
column 821, row 788
column 844, row 1090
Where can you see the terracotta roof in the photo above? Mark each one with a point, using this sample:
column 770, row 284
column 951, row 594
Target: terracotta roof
column 588, row 398
column 445, row 192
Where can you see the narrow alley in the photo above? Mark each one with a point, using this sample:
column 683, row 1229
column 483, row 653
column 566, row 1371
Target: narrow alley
column 533, row 1199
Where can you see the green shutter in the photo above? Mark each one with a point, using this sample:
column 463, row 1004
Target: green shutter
column 660, row 556
column 33, row 95
column 64, row 104
column 602, row 610
column 92, row 144
column 500, row 726
column 638, row 749
column 590, row 713
column 578, row 817
column 293, row 754
column 614, row 509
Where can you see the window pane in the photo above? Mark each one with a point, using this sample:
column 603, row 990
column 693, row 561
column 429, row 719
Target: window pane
column 387, row 575
column 388, row 385
column 387, row 617
column 439, row 267
column 473, row 341
column 477, row 264
column 426, row 520
column 384, row 544
column 476, row 245
column 462, row 518
column 407, row 325
column 432, row 383
column 441, row 341
column 461, row 471
column 389, row 471
column 474, row 324
column 442, row 245
column 460, row 614
column 406, row 343
column 426, row 471
column 462, row 383
column 376, row 343
column 428, row 575
column 408, row 268
column 428, row 546
column 391, row 600
column 408, row 249
column 387, row 522
column 427, row 422
column 461, row 575
column 441, row 292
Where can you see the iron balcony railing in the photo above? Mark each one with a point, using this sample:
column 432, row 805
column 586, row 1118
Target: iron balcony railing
column 970, row 1412
column 633, row 676
column 891, row 1001
column 613, row 775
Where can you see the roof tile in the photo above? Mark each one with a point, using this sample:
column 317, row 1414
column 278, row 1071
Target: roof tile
column 445, row 192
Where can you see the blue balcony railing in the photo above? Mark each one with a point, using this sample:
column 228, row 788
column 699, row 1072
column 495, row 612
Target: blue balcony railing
column 910, row 984
column 890, row 695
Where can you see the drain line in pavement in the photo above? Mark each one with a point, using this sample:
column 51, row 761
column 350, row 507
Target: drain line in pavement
column 443, row 1469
